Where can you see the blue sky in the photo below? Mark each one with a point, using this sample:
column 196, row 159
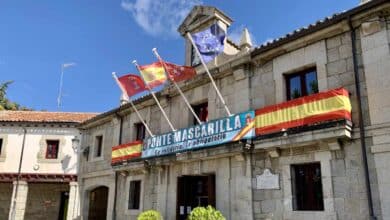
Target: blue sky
column 103, row 36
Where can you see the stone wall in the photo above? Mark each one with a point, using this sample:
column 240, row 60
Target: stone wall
column 43, row 200
column 233, row 187
column 342, row 179
column 5, row 199
column 375, row 48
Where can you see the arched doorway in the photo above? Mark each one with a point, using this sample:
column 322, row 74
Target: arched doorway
column 98, row 198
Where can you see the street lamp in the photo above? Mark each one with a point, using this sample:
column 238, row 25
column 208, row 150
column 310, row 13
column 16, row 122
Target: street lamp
column 75, row 144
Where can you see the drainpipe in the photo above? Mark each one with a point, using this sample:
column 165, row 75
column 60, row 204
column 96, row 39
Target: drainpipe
column 361, row 122
column 12, row 216
column 116, row 173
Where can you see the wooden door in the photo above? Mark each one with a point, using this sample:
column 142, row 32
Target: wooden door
column 194, row 191
column 98, row 203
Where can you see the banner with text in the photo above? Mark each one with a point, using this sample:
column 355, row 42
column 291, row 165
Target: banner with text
column 219, row 131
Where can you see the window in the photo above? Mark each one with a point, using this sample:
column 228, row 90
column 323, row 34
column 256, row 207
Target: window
column 201, row 111
column 139, row 131
column 1, row 145
column 301, row 84
column 134, row 194
column 307, row 187
column 98, row 145
column 52, row 149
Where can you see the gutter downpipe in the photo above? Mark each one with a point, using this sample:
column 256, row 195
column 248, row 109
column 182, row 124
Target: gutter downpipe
column 116, row 173
column 361, row 122
column 13, row 211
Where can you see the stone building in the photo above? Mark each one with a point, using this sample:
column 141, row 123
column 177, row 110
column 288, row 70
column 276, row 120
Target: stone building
column 38, row 166
column 301, row 164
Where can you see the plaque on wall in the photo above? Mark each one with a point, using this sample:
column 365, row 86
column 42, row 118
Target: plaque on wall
column 267, row 180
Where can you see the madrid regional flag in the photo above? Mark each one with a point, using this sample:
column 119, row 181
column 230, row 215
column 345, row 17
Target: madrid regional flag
column 132, row 84
column 179, row 73
column 210, row 42
column 153, row 74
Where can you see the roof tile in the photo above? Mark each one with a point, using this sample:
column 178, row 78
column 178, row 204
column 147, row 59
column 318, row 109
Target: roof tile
column 42, row 116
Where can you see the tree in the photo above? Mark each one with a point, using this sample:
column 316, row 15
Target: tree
column 5, row 103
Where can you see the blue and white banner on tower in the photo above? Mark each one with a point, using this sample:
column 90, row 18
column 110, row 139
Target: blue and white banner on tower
column 210, row 42
column 236, row 127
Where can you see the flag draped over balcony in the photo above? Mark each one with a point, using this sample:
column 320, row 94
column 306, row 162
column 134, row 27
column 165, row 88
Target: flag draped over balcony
column 126, row 151
column 308, row 110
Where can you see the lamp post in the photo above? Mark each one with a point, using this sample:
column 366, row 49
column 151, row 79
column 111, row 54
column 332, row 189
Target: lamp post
column 76, row 144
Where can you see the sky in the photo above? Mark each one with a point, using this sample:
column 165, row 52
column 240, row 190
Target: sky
column 100, row 37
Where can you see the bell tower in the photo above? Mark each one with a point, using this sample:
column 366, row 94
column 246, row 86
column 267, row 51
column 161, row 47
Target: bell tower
column 199, row 18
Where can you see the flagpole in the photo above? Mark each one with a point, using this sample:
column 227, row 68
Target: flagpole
column 60, row 89
column 154, row 96
column 208, row 73
column 132, row 104
column 177, row 86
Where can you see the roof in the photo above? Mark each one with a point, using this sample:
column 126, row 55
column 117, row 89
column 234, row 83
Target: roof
column 42, row 116
column 316, row 26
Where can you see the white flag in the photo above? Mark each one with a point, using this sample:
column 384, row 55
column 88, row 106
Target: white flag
column 65, row 65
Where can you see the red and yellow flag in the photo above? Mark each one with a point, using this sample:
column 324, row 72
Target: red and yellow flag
column 153, row 74
column 323, row 106
column 126, row 151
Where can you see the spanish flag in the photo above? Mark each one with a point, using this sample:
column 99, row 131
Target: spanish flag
column 312, row 109
column 126, row 151
column 153, row 74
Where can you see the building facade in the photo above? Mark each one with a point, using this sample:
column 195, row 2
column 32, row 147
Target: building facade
column 321, row 143
column 38, row 165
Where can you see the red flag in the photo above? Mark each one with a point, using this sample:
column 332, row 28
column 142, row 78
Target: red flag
column 179, row 73
column 133, row 84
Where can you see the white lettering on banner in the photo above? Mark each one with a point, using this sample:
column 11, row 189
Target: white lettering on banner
column 228, row 128
column 177, row 136
column 197, row 129
column 204, row 131
column 237, row 122
column 221, row 126
column 210, row 128
column 190, row 133
column 169, row 138
column 203, row 135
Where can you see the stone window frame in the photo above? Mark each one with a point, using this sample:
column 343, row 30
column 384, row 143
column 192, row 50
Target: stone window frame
column 136, row 126
column 313, row 55
column 41, row 157
column 93, row 148
column 141, row 199
column 3, row 147
column 324, row 158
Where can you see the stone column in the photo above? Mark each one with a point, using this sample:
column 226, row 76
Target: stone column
column 18, row 201
column 74, row 201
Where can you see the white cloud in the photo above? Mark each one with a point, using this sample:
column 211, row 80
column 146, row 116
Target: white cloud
column 159, row 18
column 235, row 35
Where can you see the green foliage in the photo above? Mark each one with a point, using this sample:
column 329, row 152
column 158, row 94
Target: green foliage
column 150, row 215
column 202, row 213
column 6, row 104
